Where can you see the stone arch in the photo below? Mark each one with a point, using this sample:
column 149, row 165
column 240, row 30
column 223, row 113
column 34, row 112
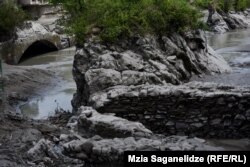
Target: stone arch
column 36, row 48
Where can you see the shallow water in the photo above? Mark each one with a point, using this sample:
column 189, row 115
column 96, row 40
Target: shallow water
column 235, row 48
column 61, row 95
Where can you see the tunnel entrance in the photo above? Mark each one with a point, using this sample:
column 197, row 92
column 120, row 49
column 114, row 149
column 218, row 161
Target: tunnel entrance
column 38, row 48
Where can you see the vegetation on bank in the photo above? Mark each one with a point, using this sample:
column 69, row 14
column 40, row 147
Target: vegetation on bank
column 223, row 5
column 116, row 19
column 10, row 17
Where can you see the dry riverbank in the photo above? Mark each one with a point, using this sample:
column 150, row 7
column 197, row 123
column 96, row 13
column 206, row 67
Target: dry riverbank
column 18, row 133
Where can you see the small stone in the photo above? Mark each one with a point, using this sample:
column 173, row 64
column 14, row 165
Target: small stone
column 87, row 147
column 200, row 140
column 143, row 93
column 174, row 148
column 170, row 123
column 64, row 137
column 221, row 101
column 160, row 117
column 227, row 116
column 180, row 125
column 240, row 117
column 96, row 138
column 203, row 118
column 248, row 113
column 215, row 121
column 82, row 156
column 231, row 99
column 56, row 140
column 197, row 125
column 227, row 123
column 88, row 113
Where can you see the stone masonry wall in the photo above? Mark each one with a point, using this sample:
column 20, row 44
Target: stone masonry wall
column 224, row 112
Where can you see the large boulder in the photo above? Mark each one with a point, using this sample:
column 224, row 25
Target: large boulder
column 90, row 123
column 138, row 61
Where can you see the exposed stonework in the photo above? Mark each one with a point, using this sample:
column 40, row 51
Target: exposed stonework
column 194, row 109
column 143, row 61
column 27, row 35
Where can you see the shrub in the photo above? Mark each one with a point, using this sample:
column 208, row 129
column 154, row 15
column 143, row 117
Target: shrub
column 10, row 17
column 124, row 18
column 224, row 5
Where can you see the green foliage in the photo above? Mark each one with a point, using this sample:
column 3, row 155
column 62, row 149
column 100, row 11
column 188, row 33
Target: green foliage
column 10, row 17
column 203, row 3
column 224, row 5
column 124, row 18
column 240, row 5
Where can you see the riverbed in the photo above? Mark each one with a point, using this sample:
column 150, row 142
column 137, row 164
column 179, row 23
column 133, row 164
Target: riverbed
column 233, row 46
column 60, row 95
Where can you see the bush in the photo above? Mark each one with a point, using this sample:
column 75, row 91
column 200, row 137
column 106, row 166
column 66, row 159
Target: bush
column 224, row 5
column 240, row 5
column 124, row 18
column 10, row 17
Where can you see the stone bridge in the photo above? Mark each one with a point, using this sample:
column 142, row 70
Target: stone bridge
column 31, row 39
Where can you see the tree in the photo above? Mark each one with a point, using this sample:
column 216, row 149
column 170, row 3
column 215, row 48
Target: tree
column 10, row 17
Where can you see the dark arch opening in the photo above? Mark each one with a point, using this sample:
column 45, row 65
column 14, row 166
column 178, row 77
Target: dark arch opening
column 38, row 48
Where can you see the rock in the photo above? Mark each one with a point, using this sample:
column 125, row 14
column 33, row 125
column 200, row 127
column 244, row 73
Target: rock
column 197, row 125
column 216, row 121
column 221, row 23
column 87, row 147
column 218, row 23
column 64, row 137
column 38, row 151
column 56, row 140
column 248, row 115
column 98, row 67
column 112, row 149
column 240, row 117
column 108, row 125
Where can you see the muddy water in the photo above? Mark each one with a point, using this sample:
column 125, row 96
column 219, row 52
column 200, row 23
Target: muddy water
column 60, row 96
column 235, row 48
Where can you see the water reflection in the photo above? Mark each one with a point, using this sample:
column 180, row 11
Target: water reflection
column 235, row 48
column 42, row 107
column 61, row 96
column 229, row 39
